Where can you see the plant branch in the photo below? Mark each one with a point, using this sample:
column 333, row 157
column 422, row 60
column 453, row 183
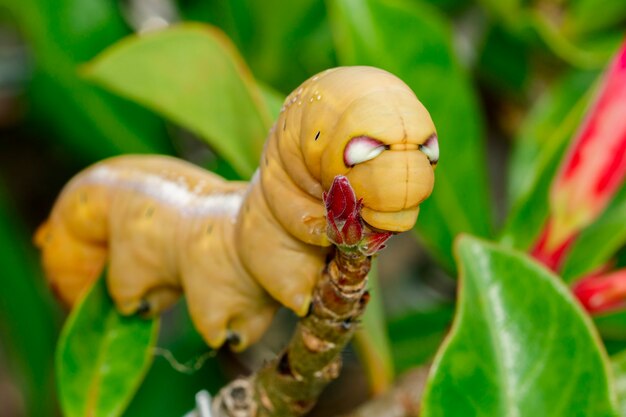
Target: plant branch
column 291, row 384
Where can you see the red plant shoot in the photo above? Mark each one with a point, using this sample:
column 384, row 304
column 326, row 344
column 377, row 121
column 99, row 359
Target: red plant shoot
column 345, row 226
column 592, row 171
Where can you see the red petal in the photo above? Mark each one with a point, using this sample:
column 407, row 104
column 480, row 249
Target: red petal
column 340, row 199
column 374, row 242
column 332, row 231
column 352, row 231
column 599, row 293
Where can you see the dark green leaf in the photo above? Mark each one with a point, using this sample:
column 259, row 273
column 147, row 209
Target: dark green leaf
column 90, row 122
column 283, row 42
column 29, row 319
column 413, row 41
column 415, row 337
column 179, row 341
column 520, row 344
column 612, row 325
column 102, row 356
column 504, row 62
column 193, row 75
column 549, row 114
column 537, row 154
column 552, row 27
column 599, row 242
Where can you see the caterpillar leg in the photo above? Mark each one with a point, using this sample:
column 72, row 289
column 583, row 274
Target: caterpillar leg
column 142, row 277
column 250, row 326
column 70, row 264
column 221, row 295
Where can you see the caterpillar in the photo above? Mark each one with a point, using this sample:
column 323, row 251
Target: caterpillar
column 238, row 250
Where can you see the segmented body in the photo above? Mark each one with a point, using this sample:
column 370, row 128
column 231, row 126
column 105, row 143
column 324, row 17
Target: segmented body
column 235, row 249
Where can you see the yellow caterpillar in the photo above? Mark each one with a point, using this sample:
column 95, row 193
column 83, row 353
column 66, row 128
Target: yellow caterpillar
column 237, row 250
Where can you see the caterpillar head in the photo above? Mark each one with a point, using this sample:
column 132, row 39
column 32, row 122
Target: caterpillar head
column 370, row 127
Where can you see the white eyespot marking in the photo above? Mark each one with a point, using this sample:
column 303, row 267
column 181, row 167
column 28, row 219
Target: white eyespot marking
column 361, row 149
column 431, row 149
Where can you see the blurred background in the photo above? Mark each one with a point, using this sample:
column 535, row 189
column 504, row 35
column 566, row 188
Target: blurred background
column 502, row 72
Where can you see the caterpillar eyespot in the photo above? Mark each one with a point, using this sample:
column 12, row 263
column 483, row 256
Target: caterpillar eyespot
column 239, row 250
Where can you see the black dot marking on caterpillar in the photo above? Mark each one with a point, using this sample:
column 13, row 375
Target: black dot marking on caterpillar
column 144, row 308
column 267, row 162
column 209, row 229
column 318, row 135
column 233, row 339
column 82, row 197
column 285, row 124
column 149, row 211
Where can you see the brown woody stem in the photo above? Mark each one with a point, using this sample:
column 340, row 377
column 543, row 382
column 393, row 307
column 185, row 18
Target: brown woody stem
column 291, row 384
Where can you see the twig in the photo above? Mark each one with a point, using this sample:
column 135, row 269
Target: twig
column 291, row 384
column 403, row 400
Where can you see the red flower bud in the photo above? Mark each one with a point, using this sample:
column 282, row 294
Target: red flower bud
column 602, row 292
column 374, row 242
column 345, row 226
column 340, row 200
column 593, row 169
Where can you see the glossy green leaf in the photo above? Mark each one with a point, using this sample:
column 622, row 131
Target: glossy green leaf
column 88, row 121
column 102, row 356
column 520, row 344
column 371, row 339
column 193, row 75
column 29, row 318
column 599, row 242
column 538, row 151
column 416, row 336
column 367, row 33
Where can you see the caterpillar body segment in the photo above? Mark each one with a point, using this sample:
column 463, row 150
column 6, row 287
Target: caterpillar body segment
column 238, row 251
column 165, row 227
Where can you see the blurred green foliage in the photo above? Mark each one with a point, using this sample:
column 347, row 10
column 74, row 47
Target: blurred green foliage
column 503, row 80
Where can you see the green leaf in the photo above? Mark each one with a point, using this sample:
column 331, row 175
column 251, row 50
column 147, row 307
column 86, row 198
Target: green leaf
column 612, row 325
column 193, row 75
column 29, row 318
column 606, row 14
column 599, row 242
column 558, row 28
column 90, row 122
column 504, row 62
column 416, row 336
column 184, row 345
column 520, row 344
column 538, row 151
column 413, row 41
column 550, row 112
column 273, row 101
column 371, row 339
column 102, row 356
column 618, row 362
